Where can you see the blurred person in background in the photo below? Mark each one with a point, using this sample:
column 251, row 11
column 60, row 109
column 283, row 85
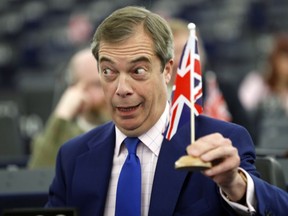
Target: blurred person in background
column 80, row 108
column 265, row 96
column 220, row 98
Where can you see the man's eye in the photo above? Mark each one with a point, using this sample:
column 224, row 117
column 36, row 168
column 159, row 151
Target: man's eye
column 107, row 71
column 109, row 74
column 139, row 71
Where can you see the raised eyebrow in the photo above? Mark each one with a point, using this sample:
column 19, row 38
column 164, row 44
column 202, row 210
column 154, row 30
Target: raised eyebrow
column 139, row 59
column 142, row 58
column 105, row 59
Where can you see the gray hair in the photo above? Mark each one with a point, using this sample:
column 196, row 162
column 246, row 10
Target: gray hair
column 121, row 24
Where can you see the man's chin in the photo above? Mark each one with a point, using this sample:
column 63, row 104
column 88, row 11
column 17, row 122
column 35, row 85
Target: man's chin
column 130, row 128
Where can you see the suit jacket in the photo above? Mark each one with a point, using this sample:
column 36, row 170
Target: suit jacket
column 84, row 165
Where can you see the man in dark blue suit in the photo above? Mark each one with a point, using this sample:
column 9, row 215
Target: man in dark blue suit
column 134, row 50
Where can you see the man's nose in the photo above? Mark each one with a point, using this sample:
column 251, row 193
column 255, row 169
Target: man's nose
column 124, row 87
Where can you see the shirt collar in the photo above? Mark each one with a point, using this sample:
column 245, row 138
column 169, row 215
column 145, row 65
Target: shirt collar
column 152, row 138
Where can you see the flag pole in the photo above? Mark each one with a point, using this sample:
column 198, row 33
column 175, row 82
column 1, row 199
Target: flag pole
column 192, row 30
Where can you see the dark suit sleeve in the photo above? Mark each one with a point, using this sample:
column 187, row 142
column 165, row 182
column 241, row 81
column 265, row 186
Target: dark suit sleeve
column 271, row 200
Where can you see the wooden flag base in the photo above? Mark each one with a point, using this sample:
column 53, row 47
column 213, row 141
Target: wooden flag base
column 190, row 163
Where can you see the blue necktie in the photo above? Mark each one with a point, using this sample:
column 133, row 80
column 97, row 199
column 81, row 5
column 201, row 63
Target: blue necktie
column 128, row 199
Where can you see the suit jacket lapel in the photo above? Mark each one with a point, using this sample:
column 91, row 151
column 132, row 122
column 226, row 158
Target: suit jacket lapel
column 93, row 170
column 167, row 180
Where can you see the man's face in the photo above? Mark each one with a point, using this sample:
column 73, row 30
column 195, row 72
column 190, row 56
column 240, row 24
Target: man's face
column 134, row 83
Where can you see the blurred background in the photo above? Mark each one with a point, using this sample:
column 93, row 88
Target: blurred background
column 38, row 37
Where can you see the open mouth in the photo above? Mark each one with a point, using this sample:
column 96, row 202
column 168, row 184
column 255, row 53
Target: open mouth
column 128, row 109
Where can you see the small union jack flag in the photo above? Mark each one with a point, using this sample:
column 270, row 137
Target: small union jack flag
column 187, row 89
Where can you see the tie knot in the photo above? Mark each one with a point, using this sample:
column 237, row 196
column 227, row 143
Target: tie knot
column 131, row 144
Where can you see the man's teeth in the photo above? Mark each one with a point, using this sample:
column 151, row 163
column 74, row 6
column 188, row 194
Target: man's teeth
column 126, row 109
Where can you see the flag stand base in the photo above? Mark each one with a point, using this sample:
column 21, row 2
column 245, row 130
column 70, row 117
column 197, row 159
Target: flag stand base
column 190, row 163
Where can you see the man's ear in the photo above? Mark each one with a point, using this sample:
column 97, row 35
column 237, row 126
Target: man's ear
column 168, row 70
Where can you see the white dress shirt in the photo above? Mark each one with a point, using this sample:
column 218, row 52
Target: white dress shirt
column 148, row 152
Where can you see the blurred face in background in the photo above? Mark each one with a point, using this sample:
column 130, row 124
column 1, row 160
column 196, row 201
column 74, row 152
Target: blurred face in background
column 282, row 67
column 86, row 74
column 277, row 75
